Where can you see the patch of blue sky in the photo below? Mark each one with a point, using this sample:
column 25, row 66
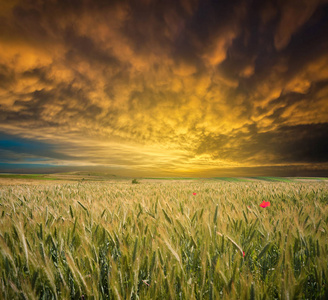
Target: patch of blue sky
column 14, row 166
column 18, row 144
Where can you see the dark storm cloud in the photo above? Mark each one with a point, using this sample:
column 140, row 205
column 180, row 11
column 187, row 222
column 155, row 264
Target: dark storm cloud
column 255, row 46
column 7, row 76
column 72, row 102
column 286, row 144
column 305, row 101
column 39, row 73
column 84, row 48
column 303, row 143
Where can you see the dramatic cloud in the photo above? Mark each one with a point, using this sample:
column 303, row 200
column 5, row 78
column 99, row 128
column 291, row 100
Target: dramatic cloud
column 182, row 87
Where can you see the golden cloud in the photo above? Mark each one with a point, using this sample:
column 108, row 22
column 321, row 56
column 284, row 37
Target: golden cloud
column 148, row 88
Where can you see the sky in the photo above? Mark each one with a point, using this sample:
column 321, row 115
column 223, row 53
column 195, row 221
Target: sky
column 164, row 88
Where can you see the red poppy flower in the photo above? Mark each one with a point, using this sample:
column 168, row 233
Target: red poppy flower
column 194, row 194
column 243, row 254
column 265, row 204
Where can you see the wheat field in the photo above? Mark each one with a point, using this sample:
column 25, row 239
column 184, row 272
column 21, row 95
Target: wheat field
column 164, row 240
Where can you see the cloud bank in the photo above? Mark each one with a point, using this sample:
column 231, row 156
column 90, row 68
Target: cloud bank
column 165, row 87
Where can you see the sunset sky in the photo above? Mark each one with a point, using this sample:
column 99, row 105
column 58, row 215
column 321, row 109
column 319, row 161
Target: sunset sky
column 164, row 88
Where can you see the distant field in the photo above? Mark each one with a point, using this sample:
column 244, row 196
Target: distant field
column 89, row 176
column 231, row 179
column 283, row 179
column 28, row 176
column 312, row 178
column 162, row 239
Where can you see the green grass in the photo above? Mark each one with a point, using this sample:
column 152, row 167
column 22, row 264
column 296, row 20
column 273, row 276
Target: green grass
column 231, row 179
column 28, row 176
column 312, row 178
column 171, row 178
column 159, row 241
column 274, row 179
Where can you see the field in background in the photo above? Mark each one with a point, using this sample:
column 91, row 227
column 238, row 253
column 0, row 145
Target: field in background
column 164, row 239
column 13, row 179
